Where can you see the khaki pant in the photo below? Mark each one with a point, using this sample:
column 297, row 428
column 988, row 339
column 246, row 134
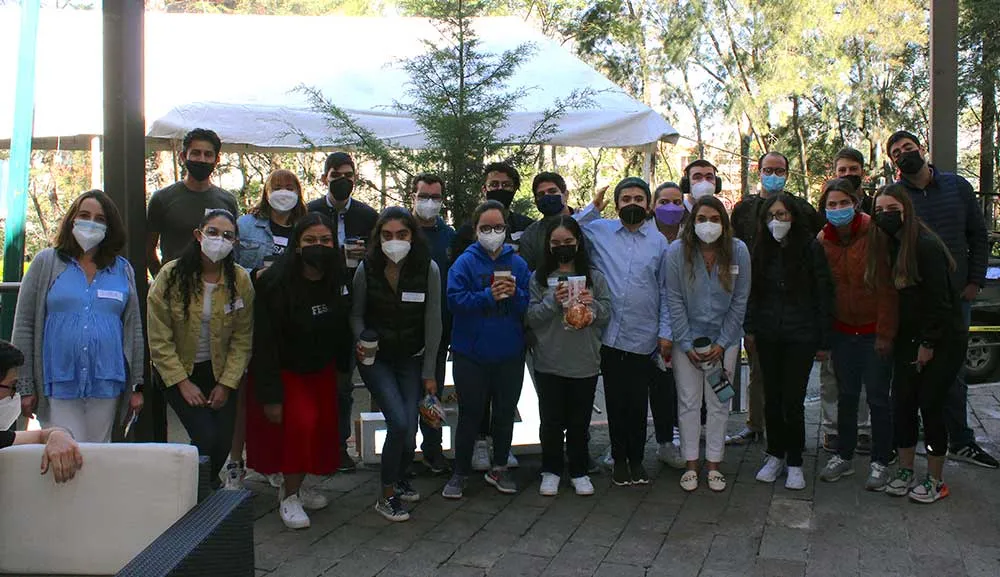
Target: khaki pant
column 755, row 392
column 828, row 403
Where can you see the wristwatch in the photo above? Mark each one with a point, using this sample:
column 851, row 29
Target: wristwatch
column 137, row 388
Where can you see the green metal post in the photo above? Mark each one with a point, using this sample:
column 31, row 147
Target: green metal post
column 20, row 160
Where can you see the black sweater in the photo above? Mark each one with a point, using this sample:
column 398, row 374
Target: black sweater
column 930, row 310
column 299, row 329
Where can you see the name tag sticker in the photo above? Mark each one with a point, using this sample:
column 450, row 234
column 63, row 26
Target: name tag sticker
column 516, row 236
column 115, row 295
column 344, row 291
column 734, row 269
column 281, row 240
column 237, row 305
column 413, row 297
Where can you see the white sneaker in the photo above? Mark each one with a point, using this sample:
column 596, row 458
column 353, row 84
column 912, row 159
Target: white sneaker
column 607, row 460
column 312, row 499
column 277, row 480
column 550, row 485
column 670, row 454
column 582, row 485
column 481, row 456
column 796, row 481
column 772, row 469
column 292, row 513
column 232, row 475
column 512, row 461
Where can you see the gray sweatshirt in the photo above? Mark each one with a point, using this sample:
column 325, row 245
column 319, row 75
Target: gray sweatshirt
column 570, row 353
column 432, row 315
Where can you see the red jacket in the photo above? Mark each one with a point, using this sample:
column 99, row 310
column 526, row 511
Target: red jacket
column 859, row 310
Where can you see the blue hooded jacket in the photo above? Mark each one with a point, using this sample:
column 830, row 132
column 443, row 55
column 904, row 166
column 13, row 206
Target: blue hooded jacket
column 484, row 329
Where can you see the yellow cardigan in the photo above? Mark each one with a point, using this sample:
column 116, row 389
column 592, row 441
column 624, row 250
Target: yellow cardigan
column 173, row 340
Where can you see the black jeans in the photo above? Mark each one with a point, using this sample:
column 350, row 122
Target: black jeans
column 956, row 413
column 478, row 385
column 627, row 377
column 565, row 406
column 663, row 404
column 211, row 430
column 857, row 365
column 431, row 444
column 926, row 391
column 785, row 370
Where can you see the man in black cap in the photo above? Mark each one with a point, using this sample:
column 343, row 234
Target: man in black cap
column 354, row 221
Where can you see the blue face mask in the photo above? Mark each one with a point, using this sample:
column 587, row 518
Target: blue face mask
column 840, row 216
column 772, row 183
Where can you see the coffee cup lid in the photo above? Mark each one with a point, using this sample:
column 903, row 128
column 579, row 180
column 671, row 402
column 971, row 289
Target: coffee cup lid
column 369, row 335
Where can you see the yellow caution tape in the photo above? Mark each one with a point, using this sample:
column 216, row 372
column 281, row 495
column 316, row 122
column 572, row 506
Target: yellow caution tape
column 984, row 329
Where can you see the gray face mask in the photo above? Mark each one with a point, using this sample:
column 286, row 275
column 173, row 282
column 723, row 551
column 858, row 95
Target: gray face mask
column 10, row 410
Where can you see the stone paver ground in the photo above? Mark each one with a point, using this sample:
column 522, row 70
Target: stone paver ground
column 833, row 530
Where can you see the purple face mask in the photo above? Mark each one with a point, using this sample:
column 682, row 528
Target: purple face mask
column 669, row 214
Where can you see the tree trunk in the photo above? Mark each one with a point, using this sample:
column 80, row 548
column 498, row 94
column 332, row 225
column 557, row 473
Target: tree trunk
column 800, row 137
column 745, row 140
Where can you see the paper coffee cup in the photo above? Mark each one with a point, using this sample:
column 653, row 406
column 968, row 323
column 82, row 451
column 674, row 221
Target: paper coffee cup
column 499, row 274
column 702, row 345
column 369, row 347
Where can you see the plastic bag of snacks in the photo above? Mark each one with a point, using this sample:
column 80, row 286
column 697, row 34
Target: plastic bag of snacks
column 576, row 315
column 432, row 411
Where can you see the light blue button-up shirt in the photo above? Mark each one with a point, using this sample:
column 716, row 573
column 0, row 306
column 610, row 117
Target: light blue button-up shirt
column 699, row 305
column 635, row 266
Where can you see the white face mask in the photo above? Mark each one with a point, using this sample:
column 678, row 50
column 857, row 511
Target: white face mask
column 779, row 229
column 10, row 410
column 396, row 250
column 283, row 200
column 88, row 233
column 492, row 240
column 702, row 188
column 215, row 248
column 708, row 232
column 428, row 208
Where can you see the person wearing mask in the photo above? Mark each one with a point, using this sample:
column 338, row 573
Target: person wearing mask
column 552, row 199
column 789, row 318
column 930, row 344
column 78, row 317
column 488, row 296
column 773, row 172
column 848, row 164
column 353, row 222
column 631, row 255
column 61, row 454
column 300, row 347
column 176, row 210
column 397, row 295
column 947, row 204
column 669, row 214
column 864, row 327
column 200, row 318
column 567, row 351
column 264, row 233
column 501, row 181
column 701, row 178
column 708, row 282
column 428, row 198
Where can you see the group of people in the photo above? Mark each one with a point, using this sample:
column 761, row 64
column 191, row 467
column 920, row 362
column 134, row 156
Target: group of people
column 256, row 324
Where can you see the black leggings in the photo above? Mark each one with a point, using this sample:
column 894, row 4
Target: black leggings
column 925, row 391
column 785, row 368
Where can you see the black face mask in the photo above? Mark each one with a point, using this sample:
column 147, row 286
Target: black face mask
column 632, row 214
column 564, row 253
column 549, row 204
column 198, row 170
column 319, row 256
column 910, row 162
column 855, row 181
column 504, row 197
column 341, row 188
column 890, row 222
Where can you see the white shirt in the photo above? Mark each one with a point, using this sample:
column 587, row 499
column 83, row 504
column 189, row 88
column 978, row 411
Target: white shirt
column 204, row 339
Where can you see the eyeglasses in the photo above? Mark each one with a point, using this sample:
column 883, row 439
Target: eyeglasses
column 212, row 232
column 781, row 215
column 500, row 185
column 774, row 171
column 486, row 229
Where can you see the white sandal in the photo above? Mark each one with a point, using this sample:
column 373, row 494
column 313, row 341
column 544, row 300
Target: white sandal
column 689, row 480
column 716, row 481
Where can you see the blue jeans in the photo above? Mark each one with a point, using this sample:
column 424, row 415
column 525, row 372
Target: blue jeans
column 395, row 384
column 856, row 364
column 431, row 445
column 956, row 415
column 478, row 385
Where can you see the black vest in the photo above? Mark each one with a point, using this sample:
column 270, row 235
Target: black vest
column 400, row 325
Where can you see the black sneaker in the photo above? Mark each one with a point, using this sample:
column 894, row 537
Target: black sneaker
column 392, row 509
column 347, row 464
column 893, row 457
column 864, row 444
column 831, row 442
column 639, row 475
column 620, row 475
column 406, row 492
column 975, row 455
column 436, row 463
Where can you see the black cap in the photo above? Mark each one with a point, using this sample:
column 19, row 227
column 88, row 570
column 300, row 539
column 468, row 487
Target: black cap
column 632, row 182
column 337, row 159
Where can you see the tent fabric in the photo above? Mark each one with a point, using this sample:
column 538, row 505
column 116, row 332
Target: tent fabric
column 238, row 75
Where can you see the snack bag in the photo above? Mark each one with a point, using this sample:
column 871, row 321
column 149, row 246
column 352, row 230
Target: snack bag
column 576, row 315
column 432, row 411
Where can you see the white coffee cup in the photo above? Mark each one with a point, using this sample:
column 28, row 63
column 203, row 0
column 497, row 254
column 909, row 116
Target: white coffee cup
column 369, row 347
column 499, row 274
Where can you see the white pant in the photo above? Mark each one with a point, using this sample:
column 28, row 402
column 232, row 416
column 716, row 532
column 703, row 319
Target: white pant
column 828, row 402
column 90, row 420
column 691, row 389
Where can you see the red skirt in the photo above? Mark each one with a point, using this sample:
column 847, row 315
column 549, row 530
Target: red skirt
column 306, row 441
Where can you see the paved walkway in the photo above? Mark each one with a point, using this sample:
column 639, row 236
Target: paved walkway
column 754, row 529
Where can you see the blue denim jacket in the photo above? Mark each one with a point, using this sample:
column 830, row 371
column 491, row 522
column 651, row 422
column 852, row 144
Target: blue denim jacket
column 256, row 241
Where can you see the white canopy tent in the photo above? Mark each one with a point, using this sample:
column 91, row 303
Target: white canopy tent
column 238, row 74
